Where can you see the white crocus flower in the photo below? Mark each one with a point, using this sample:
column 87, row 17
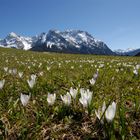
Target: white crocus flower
column 72, row 67
column 31, row 82
column 10, row 71
column 138, row 66
column 5, row 69
column 51, row 98
column 2, row 82
column 95, row 76
column 33, row 76
column 41, row 73
column 73, row 92
column 101, row 65
column 110, row 112
column 82, row 90
column 20, row 74
column 92, row 81
column 48, row 68
column 135, row 71
column 14, row 71
column 117, row 70
column 66, row 99
column 86, row 97
column 83, row 101
column 100, row 112
column 25, row 99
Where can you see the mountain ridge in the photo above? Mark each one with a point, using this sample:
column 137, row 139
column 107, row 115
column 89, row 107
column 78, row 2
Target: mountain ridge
column 12, row 40
column 128, row 52
column 69, row 41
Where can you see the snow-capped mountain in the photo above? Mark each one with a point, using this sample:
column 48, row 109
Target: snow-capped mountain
column 69, row 41
column 128, row 52
column 15, row 41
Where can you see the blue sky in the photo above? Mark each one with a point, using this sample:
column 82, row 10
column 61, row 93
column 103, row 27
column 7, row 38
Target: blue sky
column 116, row 22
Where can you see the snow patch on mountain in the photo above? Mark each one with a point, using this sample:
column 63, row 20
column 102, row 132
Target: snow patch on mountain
column 49, row 44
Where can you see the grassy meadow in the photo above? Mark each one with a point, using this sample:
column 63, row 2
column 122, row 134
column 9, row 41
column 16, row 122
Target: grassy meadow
column 117, row 80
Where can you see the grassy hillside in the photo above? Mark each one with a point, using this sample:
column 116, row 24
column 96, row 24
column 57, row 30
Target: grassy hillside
column 117, row 79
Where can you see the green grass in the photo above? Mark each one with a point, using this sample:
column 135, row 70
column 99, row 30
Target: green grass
column 38, row 120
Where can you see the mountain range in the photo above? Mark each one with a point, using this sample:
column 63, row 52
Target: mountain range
column 69, row 41
column 127, row 52
column 15, row 41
